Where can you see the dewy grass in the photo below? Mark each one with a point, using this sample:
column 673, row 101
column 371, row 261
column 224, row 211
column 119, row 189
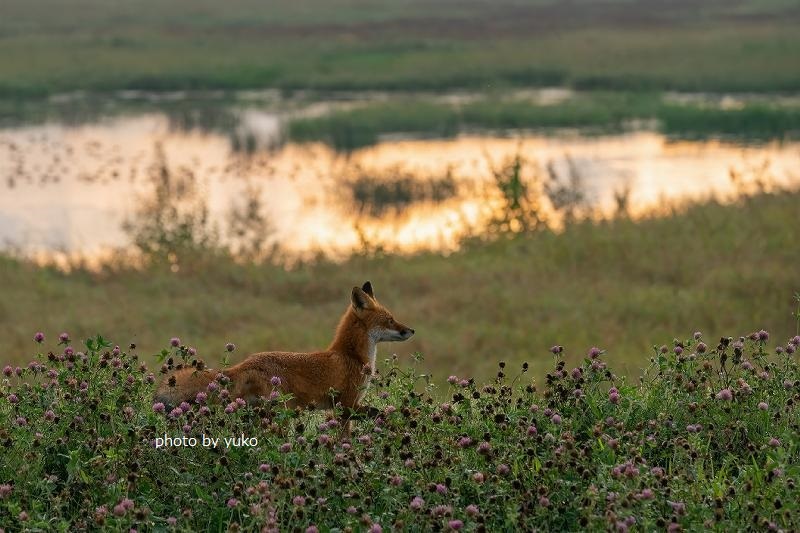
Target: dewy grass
column 706, row 439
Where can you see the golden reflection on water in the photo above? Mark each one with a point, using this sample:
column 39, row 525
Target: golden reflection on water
column 69, row 189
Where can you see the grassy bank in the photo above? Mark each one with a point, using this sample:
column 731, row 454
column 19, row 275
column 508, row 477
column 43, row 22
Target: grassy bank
column 598, row 111
column 708, row 441
column 711, row 267
column 748, row 45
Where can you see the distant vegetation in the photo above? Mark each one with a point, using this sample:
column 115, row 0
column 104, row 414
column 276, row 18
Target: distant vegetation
column 706, row 440
column 618, row 283
column 601, row 112
column 726, row 46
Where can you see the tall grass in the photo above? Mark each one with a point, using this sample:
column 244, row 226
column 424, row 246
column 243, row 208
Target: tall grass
column 621, row 283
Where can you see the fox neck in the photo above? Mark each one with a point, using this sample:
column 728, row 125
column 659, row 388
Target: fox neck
column 355, row 340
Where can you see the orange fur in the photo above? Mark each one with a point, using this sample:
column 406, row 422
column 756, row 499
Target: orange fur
column 317, row 379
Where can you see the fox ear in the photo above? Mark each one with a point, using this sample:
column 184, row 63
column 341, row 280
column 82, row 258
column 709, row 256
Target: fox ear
column 361, row 300
column 367, row 287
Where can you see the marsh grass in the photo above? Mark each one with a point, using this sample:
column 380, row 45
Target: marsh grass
column 624, row 282
column 593, row 112
column 395, row 189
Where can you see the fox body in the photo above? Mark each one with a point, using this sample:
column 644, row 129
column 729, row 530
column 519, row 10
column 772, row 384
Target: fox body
column 322, row 379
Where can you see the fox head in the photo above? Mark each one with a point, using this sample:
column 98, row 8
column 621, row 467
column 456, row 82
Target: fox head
column 381, row 324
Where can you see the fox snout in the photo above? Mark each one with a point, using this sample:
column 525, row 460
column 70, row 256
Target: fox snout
column 402, row 333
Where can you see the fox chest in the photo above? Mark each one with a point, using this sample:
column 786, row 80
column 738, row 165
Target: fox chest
column 367, row 372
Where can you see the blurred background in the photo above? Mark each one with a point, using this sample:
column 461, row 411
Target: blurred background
column 509, row 174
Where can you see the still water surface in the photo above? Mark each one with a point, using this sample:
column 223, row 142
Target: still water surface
column 68, row 189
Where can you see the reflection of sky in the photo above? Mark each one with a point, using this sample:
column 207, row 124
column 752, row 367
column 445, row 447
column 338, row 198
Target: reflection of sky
column 73, row 187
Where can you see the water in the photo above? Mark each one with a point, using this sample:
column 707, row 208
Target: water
column 68, row 190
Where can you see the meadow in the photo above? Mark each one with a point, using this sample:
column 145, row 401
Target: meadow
column 622, row 283
column 707, row 440
column 719, row 46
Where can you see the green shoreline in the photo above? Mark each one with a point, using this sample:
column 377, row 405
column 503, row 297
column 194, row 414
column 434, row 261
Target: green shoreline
column 743, row 46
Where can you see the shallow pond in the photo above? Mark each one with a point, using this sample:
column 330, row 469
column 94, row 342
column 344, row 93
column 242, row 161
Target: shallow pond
column 70, row 189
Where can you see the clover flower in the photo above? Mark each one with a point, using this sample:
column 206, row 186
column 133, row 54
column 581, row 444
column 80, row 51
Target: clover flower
column 39, row 337
column 230, row 347
column 725, row 395
column 544, row 501
column 613, row 395
column 701, row 347
column 678, row 508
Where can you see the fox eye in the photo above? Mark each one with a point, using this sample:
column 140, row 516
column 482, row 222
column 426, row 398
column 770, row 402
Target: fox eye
column 391, row 320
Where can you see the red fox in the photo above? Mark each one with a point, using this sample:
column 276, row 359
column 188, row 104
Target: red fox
column 339, row 374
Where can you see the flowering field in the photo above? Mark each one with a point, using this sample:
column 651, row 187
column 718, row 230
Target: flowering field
column 708, row 438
